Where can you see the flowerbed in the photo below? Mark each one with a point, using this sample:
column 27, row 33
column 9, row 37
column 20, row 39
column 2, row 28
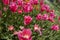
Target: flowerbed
column 28, row 20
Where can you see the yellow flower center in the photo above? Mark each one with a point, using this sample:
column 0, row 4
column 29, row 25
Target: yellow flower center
column 26, row 36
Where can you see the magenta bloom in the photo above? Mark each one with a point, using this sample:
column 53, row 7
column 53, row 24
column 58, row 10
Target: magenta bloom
column 52, row 14
column 38, row 17
column 41, row 2
column 5, row 2
column 51, row 19
column 35, row 2
column 27, row 20
column 13, row 6
column 55, row 27
column 45, row 7
column 25, row 34
column 27, row 8
column 20, row 2
column 45, row 17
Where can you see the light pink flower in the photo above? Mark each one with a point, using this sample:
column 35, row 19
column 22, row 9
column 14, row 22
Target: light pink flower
column 38, row 17
column 11, row 28
column 13, row 6
column 5, row 2
column 25, row 34
column 5, row 9
column 55, row 27
column 27, row 20
column 36, row 28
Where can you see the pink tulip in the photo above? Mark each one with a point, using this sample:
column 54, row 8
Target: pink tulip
column 25, row 34
column 13, row 6
column 27, row 20
column 55, row 27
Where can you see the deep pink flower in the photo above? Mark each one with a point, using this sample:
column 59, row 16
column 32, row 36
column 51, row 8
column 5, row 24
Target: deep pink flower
column 27, row 20
column 41, row 2
column 20, row 2
column 45, row 17
column 45, row 7
column 11, row 28
column 27, row 8
column 25, row 34
column 5, row 2
column 35, row 2
column 13, row 6
column 55, row 27
column 38, row 17
column 36, row 28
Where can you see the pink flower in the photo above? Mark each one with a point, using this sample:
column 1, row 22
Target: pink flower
column 35, row 2
column 20, row 2
column 45, row 7
column 13, row 0
column 5, row 9
column 41, row 2
column 38, row 17
column 55, row 27
column 36, row 27
column 27, row 8
column 5, row 2
column 52, row 14
column 19, row 11
column 51, row 19
column 27, row 20
column 13, row 6
column 25, row 34
column 11, row 28
column 45, row 17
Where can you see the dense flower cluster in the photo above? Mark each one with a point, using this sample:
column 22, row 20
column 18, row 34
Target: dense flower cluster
column 26, row 16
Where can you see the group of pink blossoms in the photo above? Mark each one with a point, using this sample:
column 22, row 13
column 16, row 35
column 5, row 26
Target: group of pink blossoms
column 26, row 6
